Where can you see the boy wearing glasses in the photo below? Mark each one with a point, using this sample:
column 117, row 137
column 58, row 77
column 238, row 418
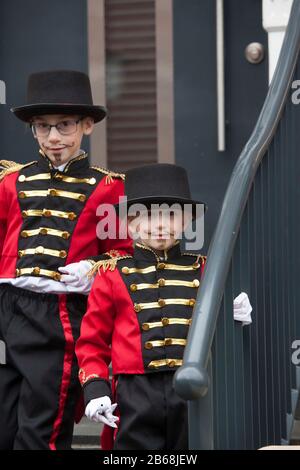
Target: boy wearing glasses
column 48, row 221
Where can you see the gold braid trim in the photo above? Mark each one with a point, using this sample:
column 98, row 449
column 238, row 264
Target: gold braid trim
column 11, row 167
column 199, row 257
column 105, row 264
column 110, row 175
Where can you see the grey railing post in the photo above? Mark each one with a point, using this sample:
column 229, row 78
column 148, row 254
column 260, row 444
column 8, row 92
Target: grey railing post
column 201, row 436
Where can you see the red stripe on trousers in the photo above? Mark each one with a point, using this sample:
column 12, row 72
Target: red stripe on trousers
column 67, row 367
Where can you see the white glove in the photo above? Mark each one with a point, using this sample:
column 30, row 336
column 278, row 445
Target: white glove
column 75, row 276
column 242, row 309
column 101, row 410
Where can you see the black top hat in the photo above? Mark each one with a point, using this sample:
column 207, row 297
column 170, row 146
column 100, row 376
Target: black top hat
column 156, row 184
column 59, row 91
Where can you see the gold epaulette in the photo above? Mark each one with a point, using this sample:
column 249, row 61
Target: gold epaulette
column 9, row 167
column 110, row 175
column 106, row 264
column 203, row 258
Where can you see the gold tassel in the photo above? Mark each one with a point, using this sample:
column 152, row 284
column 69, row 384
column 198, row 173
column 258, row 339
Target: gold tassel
column 11, row 167
column 110, row 175
column 105, row 264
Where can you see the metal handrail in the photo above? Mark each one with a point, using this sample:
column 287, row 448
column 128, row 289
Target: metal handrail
column 191, row 380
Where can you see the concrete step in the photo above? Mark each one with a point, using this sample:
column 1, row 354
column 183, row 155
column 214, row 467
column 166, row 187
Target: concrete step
column 87, row 435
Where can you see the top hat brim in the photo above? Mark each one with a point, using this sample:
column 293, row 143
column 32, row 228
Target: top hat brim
column 147, row 201
column 27, row 112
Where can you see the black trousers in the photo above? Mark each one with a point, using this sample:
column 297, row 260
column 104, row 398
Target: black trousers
column 39, row 386
column 152, row 415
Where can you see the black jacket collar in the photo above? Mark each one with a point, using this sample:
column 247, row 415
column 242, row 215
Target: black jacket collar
column 75, row 165
column 144, row 253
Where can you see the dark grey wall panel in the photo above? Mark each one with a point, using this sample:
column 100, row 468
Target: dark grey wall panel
column 36, row 35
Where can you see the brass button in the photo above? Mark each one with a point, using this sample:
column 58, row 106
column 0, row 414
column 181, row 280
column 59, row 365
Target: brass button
column 82, row 198
column 125, row 270
column 93, row 181
column 62, row 254
column 133, row 287
column 22, row 195
column 161, row 282
column 145, row 327
column 39, row 250
column 43, row 231
column 53, row 192
column 148, row 345
column 47, row 213
column 36, row 270
column 20, row 253
column 161, row 302
column 65, row 235
column 165, row 321
column 17, row 272
column 24, row 234
column 24, row 214
column 196, row 265
column 192, row 302
column 168, row 342
column 56, row 277
column 72, row 216
column 137, row 308
column 22, row 178
column 161, row 266
column 196, row 283
column 171, row 364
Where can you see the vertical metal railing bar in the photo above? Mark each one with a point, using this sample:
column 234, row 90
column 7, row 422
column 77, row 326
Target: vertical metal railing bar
column 229, row 361
column 270, row 297
column 240, row 285
column 293, row 236
column 265, row 371
column 287, row 157
column 284, row 371
column 217, row 387
column 276, row 288
column 281, row 339
column 293, row 216
column 235, row 345
column 283, row 266
column 247, row 343
column 290, row 248
column 256, row 324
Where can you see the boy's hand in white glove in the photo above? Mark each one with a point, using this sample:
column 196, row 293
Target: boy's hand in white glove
column 101, row 410
column 74, row 275
column 242, row 309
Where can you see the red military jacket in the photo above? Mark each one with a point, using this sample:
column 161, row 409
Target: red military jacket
column 138, row 316
column 48, row 218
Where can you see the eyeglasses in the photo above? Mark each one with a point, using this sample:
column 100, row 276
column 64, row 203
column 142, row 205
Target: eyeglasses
column 65, row 127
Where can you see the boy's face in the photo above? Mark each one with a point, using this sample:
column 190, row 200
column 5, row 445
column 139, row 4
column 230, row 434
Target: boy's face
column 158, row 229
column 61, row 147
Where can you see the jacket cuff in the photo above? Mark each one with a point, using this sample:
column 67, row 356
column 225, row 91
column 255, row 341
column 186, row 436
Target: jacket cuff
column 96, row 388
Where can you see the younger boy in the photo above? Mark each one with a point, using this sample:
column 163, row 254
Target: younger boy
column 138, row 316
